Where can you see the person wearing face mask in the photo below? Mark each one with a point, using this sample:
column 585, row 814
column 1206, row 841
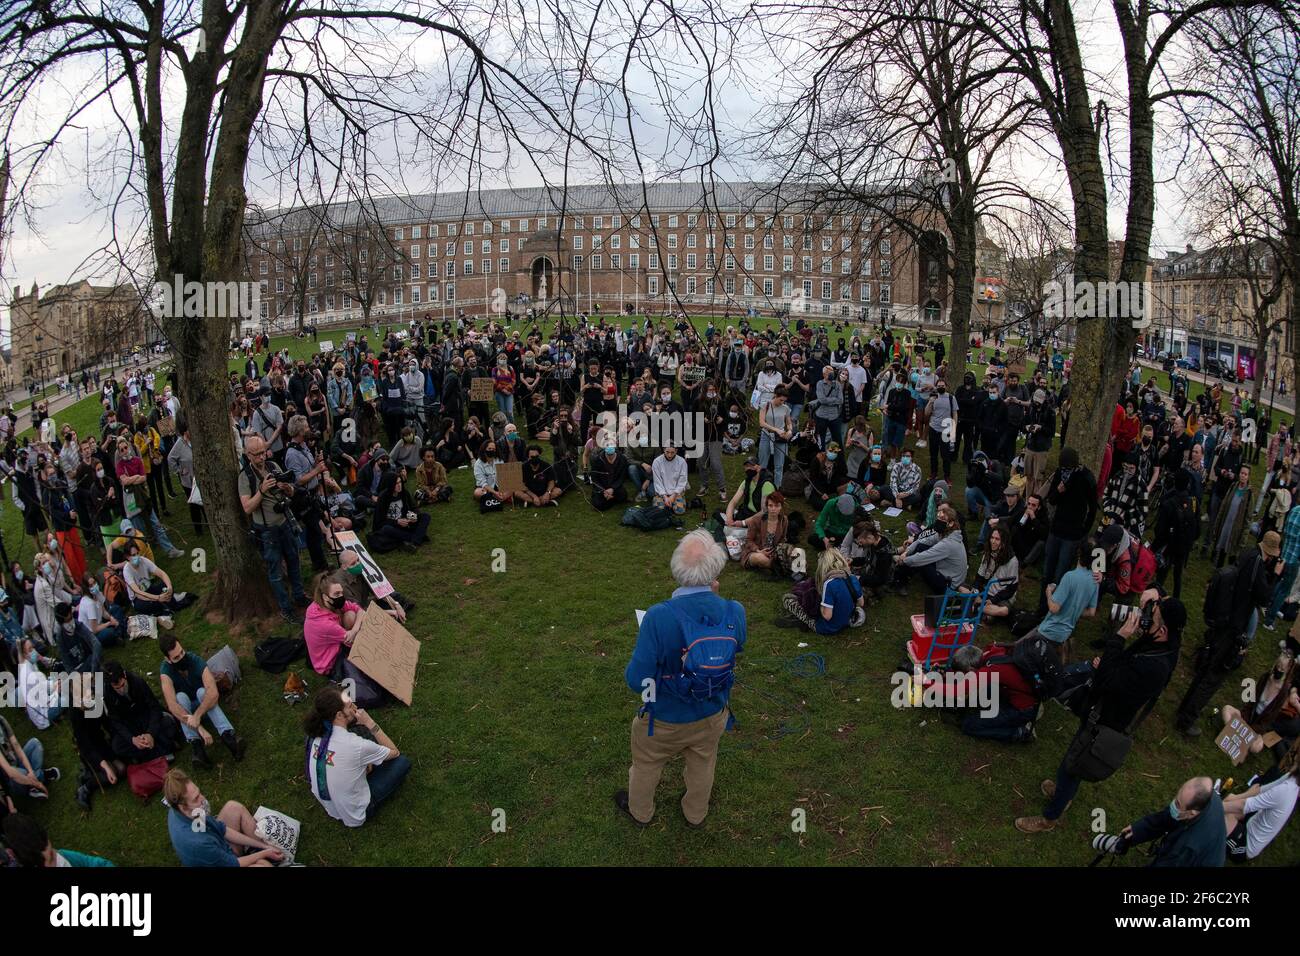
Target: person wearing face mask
column 352, row 576
column 940, row 565
column 1124, row 501
column 943, row 414
column 1190, row 831
column 991, row 419
column 80, row 651
column 715, row 420
column 103, row 620
column 668, row 474
column 406, row 452
column 47, row 594
column 828, row 408
column 151, row 589
column 331, row 626
column 392, row 404
column 766, row 382
column 485, row 479
column 540, row 488
column 827, row 477
column 504, row 381
column 190, row 693
column 28, row 497
column 204, row 839
column 904, row 488
column 609, row 470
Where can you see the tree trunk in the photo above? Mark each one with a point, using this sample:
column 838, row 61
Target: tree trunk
column 963, row 288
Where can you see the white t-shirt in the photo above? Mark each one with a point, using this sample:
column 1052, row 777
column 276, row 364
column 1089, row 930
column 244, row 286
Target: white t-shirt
column 345, row 774
column 89, row 612
column 140, row 577
column 39, row 692
column 1272, row 807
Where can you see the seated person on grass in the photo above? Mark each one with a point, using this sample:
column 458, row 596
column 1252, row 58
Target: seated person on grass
column 107, row 622
column 190, row 693
column 150, row 587
column 999, row 565
column 540, row 488
column 1017, row 707
column 201, row 839
column 352, row 765
column 841, row 601
column 31, row 846
column 669, row 479
column 139, row 729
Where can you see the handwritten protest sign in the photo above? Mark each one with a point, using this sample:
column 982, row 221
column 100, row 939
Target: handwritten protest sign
column 380, row 586
column 386, row 653
column 480, row 390
column 1236, row 739
column 510, row 477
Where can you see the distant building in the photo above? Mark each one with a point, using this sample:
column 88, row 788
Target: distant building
column 70, row 327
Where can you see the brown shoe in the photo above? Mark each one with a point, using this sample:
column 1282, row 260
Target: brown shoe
column 1049, row 788
column 1034, row 824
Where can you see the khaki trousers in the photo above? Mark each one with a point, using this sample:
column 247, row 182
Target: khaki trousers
column 1035, row 472
column 697, row 742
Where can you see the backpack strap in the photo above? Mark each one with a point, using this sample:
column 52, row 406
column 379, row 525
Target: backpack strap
column 322, row 789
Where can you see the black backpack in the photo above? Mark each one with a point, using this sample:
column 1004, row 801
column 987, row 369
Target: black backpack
column 654, row 518
column 1217, row 608
column 897, row 402
column 1189, row 523
column 1039, row 663
column 274, row 654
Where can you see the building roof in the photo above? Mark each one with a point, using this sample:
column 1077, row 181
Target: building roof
column 545, row 201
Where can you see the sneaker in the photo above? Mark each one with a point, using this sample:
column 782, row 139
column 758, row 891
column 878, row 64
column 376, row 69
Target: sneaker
column 640, row 496
column 1034, row 824
column 620, row 801
column 166, row 622
column 920, row 443
column 83, row 797
column 722, row 496
column 234, row 744
column 175, row 553
column 290, row 618
column 52, row 774
column 786, row 621
column 199, row 754
column 1270, row 625
column 36, row 794
column 1192, row 731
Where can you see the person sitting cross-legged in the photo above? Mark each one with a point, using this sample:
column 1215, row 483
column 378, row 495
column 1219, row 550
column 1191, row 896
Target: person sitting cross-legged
column 151, row 588
column 200, row 838
column 352, row 765
column 190, row 692
column 139, row 729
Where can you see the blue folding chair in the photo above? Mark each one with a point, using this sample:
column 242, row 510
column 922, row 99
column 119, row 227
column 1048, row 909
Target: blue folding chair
column 959, row 609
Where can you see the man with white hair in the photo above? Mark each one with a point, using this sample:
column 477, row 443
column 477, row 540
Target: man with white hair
column 682, row 666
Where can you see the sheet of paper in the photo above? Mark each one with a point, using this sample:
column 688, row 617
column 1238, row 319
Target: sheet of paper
column 893, row 512
column 640, row 616
column 868, row 507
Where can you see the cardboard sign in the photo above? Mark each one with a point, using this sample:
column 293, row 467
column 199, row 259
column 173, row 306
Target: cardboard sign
column 510, row 477
column 327, row 345
column 480, row 390
column 1236, row 739
column 386, row 653
column 380, row 586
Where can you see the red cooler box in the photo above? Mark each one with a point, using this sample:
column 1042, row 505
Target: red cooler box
column 923, row 641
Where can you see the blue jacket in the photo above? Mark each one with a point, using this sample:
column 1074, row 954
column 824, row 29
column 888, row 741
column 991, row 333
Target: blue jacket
column 659, row 647
column 1198, row 842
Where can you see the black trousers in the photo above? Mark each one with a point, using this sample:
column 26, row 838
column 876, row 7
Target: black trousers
column 941, row 449
column 601, row 503
column 1211, row 671
column 967, row 435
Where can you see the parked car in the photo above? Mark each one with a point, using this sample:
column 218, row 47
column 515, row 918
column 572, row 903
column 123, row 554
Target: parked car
column 1190, row 363
column 1220, row 369
column 1139, row 351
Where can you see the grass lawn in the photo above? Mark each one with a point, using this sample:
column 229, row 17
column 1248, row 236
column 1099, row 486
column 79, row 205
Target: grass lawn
column 521, row 705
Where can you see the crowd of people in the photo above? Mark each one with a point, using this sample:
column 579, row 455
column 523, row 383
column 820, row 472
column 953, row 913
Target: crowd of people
column 833, row 429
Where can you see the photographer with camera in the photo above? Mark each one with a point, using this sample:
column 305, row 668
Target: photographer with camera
column 309, row 467
column 1189, row 832
column 265, row 492
column 1127, row 680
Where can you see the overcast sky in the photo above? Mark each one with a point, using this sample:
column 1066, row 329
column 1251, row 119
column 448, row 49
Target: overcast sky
column 73, row 217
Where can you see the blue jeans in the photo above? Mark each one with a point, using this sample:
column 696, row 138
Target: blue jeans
column 767, row 447
column 834, row 427
column 219, row 721
column 278, row 545
column 384, row 781
column 638, row 474
column 35, row 751
column 977, row 502
column 1001, row 726
column 1251, row 627
column 1284, row 585
column 160, row 532
column 506, row 403
column 1067, row 785
column 795, row 411
column 1061, row 554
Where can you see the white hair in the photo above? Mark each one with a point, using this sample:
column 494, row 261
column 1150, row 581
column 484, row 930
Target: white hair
column 697, row 560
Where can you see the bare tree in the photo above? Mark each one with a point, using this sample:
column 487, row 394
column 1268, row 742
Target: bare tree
column 1037, row 247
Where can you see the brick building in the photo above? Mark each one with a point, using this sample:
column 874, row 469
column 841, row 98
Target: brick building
column 675, row 248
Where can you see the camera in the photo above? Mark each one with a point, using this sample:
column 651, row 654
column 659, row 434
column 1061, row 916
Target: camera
column 1110, row 843
column 1119, row 614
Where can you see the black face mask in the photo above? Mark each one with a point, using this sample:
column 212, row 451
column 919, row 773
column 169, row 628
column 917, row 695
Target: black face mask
column 335, row 603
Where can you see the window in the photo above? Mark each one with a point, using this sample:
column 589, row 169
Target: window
column 452, row 229
column 523, row 227
column 769, row 287
column 749, row 287
column 768, row 241
column 690, row 285
column 807, row 288
column 634, row 261
column 729, row 286
column 729, row 241
column 347, row 303
column 505, row 226
column 486, row 266
column 826, row 289
column 672, row 241
column 487, row 228
column 787, row 288
column 398, row 235
column 807, row 263
column 503, row 246
column 397, row 273
column 577, row 242
column 597, row 262
column 469, row 267
column 846, row 243
column 885, row 268
column 864, row 291
column 616, row 222
column 866, row 267
column 846, row 267
column 541, row 223
column 485, row 248
column 749, row 241
column 415, row 271
column 450, row 271
column 263, row 267
column 672, row 262
column 577, row 263
column 846, row 290
column 433, row 292
column 731, row 222
column 597, row 222
column 415, row 295
column 451, row 248
column 709, row 287
column 690, row 240
column 826, row 243
column 415, row 232
column 433, row 250
column 807, row 243
column 884, row 247
column 654, row 260
column 886, row 294
column 519, row 245
column 672, row 222
column 433, row 232
column 383, row 297
column 729, row 262
column 787, row 222
column 597, row 242
column 690, row 260
column 787, row 263
column 769, row 263
column 635, row 222
column 415, row 252
column 749, row 263
column 652, row 285
column 503, row 265
column 279, row 285
column 469, row 229
column 451, row 292
column 577, row 223
column 397, row 297
column 634, row 241
column 616, row 261
column 710, row 241
column 469, row 247
column 616, row 242
column 692, row 220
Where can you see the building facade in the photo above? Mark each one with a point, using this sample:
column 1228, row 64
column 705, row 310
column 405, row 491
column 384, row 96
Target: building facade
column 673, row 247
column 70, row 327
column 1205, row 308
